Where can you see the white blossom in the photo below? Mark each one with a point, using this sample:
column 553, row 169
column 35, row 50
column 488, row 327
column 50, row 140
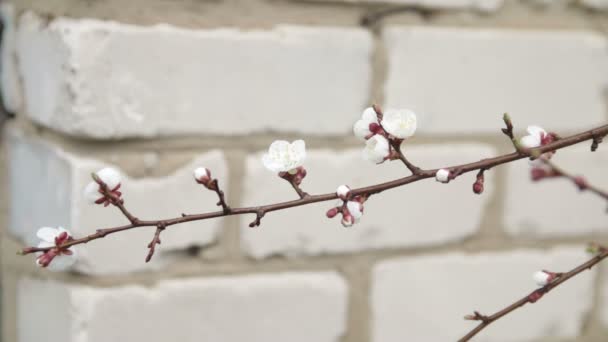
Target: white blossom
column 542, row 278
column 399, row 123
column 361, row 127
column 57, row 260
column 355, row 209
column 283, row 156
column 534, row 137
column 110, row 176
column 442, row 175
column 343, row 191
column 376, row 149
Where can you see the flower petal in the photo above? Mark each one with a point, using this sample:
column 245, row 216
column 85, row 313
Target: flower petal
column 299, row 146
column 530, row 141
column 47, row 234
column 110, row 176
column 91, row 192
column 63, row 262
column 369, row 115
column 535, row 130
column 45, row 244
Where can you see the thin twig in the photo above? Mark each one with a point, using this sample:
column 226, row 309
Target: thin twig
column 214, row 186
column 368, row 190
column 155, row 241
column 396, row 144
column 533, row 296
column 581, row 183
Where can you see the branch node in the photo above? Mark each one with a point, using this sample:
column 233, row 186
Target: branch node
column 597, row 140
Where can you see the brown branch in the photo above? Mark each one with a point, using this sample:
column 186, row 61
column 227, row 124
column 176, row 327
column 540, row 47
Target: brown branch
column 535, row 295
column 298, row 189
column 259, row 211
column 581, row 183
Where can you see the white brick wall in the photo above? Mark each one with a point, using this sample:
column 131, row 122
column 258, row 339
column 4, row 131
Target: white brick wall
column 460, row 81
column 554, row 207
column 106, row 80
column 424, row 213
column 293, row 307
column 47, row 185
column 425, row 298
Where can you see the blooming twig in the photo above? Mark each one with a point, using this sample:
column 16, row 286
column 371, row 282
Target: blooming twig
column 551, row 281
column 260, row 211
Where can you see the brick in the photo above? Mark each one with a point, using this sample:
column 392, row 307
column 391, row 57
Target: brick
column 405, row 217
column 596, row 4
column 278, row 307
column 554, row 207
column 460, row 81
column 9, row 79
column 107, row 80
column 482, row 5
column 425, row 298
column 46, row 186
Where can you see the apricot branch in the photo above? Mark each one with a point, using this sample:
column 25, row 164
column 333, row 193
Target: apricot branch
column 552, row 281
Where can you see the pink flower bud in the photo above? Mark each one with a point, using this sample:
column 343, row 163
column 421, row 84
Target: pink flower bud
column 478, row 185
column 331, row 213
column 477, row 188
column 581, row 182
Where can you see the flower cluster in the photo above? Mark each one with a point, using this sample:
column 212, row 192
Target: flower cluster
column 62, row 258
column 351, row 207
column 380, row 129
column 104, row 187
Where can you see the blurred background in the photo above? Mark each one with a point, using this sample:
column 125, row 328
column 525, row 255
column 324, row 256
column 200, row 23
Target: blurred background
column 156, row 88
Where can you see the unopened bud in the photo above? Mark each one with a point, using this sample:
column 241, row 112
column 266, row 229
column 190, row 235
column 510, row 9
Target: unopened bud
column 442, row 175
column 581, row 182
column 347, row 219
column 478, row 185
column 477, row 188
column 202, row 175
column 542, row 278
column 343, row 192
column 331, row 213
column 539, row 173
